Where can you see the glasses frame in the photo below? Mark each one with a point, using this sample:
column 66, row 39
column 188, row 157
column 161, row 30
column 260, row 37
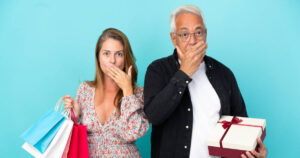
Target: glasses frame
column 204, row 31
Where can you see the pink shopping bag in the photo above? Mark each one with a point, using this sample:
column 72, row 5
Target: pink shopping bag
column 79, row 145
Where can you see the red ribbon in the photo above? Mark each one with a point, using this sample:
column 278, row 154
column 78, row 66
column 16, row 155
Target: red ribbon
column 227, row 124
column 235, row 121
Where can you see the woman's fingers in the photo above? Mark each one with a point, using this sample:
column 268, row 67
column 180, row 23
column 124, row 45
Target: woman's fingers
column 129, row 71
column 112, row 71
column 69, row 107
column 68, row 101
column 112, row 75
column 66, row 96
column 118, row 72
column 120, row 77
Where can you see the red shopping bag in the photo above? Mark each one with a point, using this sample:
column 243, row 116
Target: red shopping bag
column 79, row 145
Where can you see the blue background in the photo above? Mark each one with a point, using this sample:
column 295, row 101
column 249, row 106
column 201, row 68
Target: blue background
column 47, row 49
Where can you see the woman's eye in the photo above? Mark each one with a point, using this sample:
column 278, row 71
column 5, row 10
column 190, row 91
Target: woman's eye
column 105, row 53
column 120, row 54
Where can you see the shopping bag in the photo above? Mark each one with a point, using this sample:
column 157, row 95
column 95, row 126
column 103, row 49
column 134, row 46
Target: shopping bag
column 66, row 150
column 57, row 145
column 41, row 133
column 79, row 144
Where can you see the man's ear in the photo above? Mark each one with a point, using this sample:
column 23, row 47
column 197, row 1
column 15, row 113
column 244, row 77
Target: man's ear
column 173, row 38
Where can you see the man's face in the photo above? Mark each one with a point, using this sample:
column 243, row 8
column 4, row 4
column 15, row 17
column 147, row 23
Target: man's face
column 187, row 23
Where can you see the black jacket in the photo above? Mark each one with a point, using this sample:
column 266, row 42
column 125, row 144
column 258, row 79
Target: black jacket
column 168, row 104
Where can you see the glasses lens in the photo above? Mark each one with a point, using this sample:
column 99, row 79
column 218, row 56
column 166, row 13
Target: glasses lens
column 198, row 34
column 184, row 36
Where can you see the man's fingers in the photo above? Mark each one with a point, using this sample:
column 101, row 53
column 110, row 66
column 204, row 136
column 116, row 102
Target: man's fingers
column 261, row 146
column 179, row 52
column 262, row 150
column 255, row 153
column 197, row 46
column 259, row 142
column 243, row 156
column 202, row 48
column 200, row 54
column 249, row 155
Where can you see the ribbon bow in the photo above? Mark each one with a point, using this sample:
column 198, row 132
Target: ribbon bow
column 235, row 121
column 227, row 124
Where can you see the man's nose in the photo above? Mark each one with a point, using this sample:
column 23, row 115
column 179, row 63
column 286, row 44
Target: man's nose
column 193, row 39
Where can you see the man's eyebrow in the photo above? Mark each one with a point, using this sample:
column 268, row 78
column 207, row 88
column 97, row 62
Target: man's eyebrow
column 198, row 27
column 184, row 28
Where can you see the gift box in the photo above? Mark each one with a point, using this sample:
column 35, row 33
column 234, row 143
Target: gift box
column 233, row 136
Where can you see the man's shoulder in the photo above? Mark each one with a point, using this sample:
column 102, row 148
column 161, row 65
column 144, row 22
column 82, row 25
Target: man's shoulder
column 162, row 62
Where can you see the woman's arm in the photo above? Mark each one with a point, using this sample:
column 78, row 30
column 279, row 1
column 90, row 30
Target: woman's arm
column 75, row 104
column 133, row 123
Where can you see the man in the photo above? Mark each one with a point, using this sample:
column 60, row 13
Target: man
column 186, row 93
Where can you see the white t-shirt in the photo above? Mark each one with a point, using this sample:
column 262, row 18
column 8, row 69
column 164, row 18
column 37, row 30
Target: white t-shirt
column 206, row 107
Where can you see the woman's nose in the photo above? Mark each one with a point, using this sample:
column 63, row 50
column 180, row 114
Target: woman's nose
column 112, row 59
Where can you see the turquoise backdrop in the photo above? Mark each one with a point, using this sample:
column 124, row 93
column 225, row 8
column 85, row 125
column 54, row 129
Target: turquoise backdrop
column 47, row 49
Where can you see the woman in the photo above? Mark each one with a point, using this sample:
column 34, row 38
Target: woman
column 111, row 106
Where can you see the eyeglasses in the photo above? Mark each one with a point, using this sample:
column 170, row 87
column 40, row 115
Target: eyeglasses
column 185, row 36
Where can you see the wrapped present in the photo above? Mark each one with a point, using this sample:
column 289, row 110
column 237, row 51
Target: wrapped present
column 233, row 136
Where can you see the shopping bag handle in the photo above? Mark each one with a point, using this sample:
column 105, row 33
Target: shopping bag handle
column 73, row 116
column 59, row 108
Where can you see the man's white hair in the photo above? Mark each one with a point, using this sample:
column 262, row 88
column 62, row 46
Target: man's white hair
column 184, row 9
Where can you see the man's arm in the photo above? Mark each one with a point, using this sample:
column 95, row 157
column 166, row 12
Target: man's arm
column 238, row 107
column 160, row 98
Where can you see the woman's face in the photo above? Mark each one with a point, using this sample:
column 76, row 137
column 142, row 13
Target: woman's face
column 111, row 53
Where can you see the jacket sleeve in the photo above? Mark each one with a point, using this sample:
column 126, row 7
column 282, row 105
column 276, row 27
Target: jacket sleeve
column 133, row 123
column 162, row 97
column 238, row 107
